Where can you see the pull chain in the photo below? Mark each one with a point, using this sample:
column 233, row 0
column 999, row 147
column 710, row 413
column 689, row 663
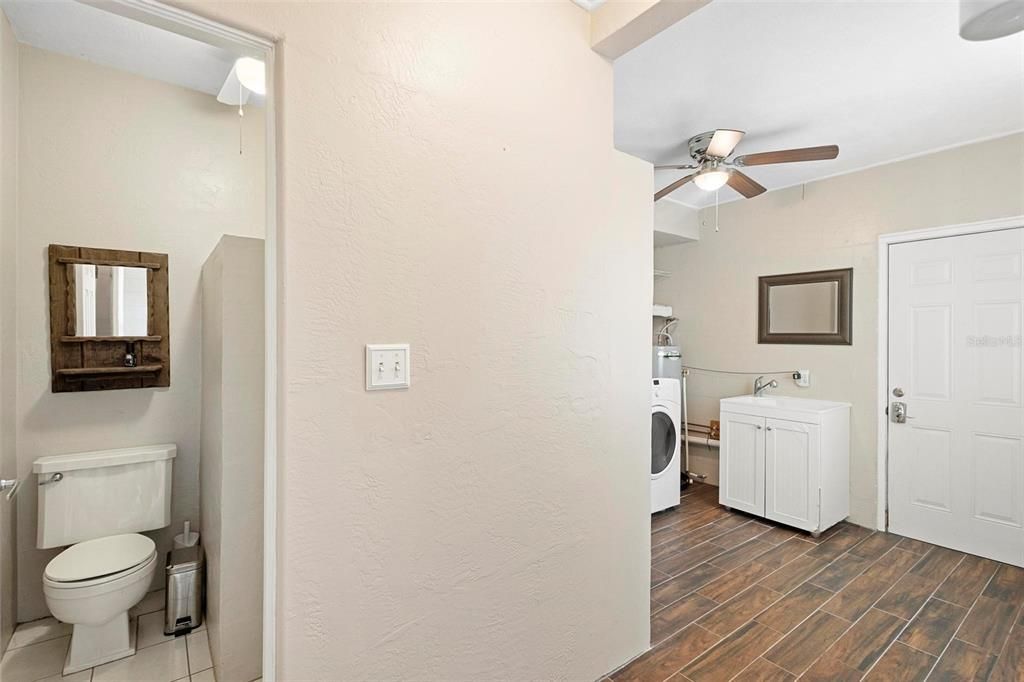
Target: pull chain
column 241, row 114
column 716, row 210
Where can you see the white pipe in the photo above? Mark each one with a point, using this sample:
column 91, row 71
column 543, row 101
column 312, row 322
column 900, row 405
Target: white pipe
column 686, row 430
column 702, row 440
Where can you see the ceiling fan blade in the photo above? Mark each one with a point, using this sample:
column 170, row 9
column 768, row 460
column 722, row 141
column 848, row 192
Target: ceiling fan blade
column 744, row 184
column 830, row 151
column 723, row 142
column 673, row 187
column 657, row 168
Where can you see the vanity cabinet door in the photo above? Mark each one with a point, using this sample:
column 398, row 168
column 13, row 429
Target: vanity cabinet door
column 741, row 467
column 792, row 475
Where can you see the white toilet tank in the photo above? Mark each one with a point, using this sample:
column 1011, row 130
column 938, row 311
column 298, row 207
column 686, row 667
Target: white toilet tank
column 91, row 495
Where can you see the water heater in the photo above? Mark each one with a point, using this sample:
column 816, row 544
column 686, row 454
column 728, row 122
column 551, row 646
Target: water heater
column 667, row 362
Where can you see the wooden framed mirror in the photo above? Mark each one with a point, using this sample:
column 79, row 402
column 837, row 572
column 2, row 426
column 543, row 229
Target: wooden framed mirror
column 806, row 308
column 109, row 319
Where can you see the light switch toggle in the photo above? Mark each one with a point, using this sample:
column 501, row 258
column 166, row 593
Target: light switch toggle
column 387, row 366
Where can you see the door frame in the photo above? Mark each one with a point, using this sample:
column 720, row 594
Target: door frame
column 183, row 22
column 882, row 388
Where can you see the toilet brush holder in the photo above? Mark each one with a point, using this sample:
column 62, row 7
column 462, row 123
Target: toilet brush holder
column 186, row 538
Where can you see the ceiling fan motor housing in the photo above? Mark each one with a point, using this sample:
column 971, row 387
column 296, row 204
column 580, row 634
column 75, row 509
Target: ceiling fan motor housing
column 698, row 145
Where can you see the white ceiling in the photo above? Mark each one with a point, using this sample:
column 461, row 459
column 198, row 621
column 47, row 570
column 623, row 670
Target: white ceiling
column 79, row 30
column 883, row 80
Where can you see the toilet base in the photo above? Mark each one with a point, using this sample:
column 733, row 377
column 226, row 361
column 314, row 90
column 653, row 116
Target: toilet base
column 93, row 645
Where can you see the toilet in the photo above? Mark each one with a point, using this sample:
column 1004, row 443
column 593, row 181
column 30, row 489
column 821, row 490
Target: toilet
column 96, row 504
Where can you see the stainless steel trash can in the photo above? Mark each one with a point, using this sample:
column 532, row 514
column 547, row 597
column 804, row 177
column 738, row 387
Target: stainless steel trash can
column 184, row 607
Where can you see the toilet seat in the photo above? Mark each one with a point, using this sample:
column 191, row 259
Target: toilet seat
column 99, row 561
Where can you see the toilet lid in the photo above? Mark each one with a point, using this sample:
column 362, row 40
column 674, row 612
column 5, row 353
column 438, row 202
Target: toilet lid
column 100, row 557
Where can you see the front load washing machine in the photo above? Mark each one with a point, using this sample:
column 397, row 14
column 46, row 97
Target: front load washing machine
column 666, row 408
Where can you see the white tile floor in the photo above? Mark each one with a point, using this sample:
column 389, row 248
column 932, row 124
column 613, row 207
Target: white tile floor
column 37, row 651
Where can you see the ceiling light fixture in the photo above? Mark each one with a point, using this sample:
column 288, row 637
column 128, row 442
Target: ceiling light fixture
column 711, row 178
column 247, row 76
column 990, row 19
column 252, row 74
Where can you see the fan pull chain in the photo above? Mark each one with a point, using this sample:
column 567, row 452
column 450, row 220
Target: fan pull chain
column 716, row 210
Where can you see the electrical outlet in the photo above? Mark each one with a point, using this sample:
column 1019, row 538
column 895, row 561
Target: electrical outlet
column 387, row 366
column 802, row 377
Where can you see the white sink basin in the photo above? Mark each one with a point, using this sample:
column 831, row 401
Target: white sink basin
column 773, row 405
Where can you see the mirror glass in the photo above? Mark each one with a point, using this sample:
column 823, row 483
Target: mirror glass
column 811, row 308
column 110, row 300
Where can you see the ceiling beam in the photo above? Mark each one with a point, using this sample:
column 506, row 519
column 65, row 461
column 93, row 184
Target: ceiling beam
column 617, row 26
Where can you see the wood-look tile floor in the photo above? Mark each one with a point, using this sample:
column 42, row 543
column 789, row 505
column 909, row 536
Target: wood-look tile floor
column 736, row 598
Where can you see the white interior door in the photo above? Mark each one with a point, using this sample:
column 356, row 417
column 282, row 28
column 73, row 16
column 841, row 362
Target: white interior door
column 956, row 466
column 791, row 463
column 741, row 470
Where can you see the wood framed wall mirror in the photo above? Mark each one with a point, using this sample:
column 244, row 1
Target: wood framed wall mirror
column 109, row 319
column 806, row 308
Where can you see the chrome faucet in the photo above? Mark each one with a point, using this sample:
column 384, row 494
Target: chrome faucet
column 760, row 385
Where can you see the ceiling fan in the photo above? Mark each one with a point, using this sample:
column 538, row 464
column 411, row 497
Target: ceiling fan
column 711, row 151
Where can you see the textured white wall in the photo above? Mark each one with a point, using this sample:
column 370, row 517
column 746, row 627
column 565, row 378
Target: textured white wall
column 448, row 179
column 834, row 224
column 112, row 160
column 8, row 335
column 231, row 468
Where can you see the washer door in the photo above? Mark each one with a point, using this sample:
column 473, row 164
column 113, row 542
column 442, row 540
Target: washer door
column 663, row 440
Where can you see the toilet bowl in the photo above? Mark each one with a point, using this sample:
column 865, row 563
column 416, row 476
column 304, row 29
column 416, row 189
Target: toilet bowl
column 91, row 585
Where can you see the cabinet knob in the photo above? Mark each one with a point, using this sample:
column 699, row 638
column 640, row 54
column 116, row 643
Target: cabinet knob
column 758, row 427
column 769, row 428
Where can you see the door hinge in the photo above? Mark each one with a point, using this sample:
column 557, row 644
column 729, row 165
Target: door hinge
column 886, row 519
column 886, row 410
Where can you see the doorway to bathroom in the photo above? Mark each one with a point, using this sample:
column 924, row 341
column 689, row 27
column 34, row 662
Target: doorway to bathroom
column 140, row 129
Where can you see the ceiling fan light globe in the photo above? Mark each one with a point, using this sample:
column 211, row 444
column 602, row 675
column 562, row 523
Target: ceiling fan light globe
column 712, row 179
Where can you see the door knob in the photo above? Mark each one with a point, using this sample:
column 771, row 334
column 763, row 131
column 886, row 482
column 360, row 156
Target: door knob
column 898, row 413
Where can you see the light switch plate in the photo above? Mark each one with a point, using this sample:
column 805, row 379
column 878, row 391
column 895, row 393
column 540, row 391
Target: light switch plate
column 387, row 366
